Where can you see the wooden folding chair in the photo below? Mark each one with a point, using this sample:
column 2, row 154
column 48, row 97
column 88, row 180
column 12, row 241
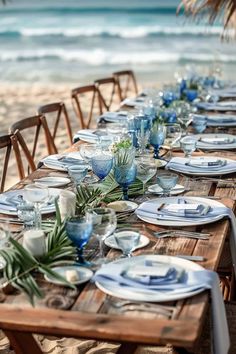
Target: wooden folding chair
column 83, row 97
column 55, row 113
column 126, row 82
column 9, row 147
column 108, row 93
column 27, row 132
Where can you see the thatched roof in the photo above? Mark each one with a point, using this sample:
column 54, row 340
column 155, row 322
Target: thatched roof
column 225, row 10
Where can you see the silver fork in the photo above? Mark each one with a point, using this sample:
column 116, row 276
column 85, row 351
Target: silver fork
column 187, row 234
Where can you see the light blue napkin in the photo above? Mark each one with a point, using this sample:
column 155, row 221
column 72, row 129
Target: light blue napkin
column 113, row 116
column 85, row 134
column 179, row 164
column 114, row 275
column 216, row 106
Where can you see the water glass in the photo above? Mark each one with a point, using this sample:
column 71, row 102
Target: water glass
column 127, row 240
column 191, row 95
column 102, row 165
column 188, row 145
column 79, row 231
column 87, row 152
column 199, row 123
column 77, row 174
column 167, row 181
column 26, row 213
column 157, row 138
column 36, row 194
column 104, row 224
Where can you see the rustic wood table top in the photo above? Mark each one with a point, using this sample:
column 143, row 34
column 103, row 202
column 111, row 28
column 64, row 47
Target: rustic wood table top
column 88, row 312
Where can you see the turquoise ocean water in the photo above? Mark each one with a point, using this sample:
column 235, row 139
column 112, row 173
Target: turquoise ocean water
column 78, row 41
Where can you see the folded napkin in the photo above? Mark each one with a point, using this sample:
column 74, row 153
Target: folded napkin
column 199, row 163
column 139, row 101
column 182, row 164
column 115, row 276
column 113, row 116
column 228, row 106
column 216, row 140
column 9, row 202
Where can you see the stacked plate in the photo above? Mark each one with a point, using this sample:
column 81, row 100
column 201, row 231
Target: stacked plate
column 216, row 141
column 61, row 162
column 181, row 211
column 202, row 166
column 9, row 201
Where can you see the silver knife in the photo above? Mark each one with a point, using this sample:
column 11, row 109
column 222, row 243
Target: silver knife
column 191, row 258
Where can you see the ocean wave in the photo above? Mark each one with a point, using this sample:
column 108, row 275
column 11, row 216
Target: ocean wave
column 121, row 32
column 99, row 56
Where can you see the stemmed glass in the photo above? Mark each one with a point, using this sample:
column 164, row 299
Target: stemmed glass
column 157, row 138
column 125, row 169
column 188, row 144
column 102, row 165
column 127, row 240
column 104, row 224
column 79, row 231
column 167, row 181
column 77, row 174
column 199, row 123
column 87, row 151
column 146, row 169
column 173, row 135
column 36, row 194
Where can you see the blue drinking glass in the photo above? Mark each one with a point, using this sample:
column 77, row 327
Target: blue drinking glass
column 79, row 231
column 191, row 95
column 124, row 176
column 199, row 123
column 102, row 165
column 157, row 137
column 77, row 174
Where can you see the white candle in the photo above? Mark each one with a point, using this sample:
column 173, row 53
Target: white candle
column 67, row 204
column 34, row 242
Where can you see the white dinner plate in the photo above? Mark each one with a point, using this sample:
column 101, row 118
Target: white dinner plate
column 205, row 171
column 184, row 222
column 52, row 181
column 211, row 141
column 155, row 296
column 130, row 206
column 84, row 274
column 156, row 189
column 110, row 242
column 5, row 208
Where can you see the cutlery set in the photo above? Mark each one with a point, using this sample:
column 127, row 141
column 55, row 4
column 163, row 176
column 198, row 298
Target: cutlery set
column 182, row 233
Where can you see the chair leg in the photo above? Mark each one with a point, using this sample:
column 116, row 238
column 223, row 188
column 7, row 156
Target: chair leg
column 22, row 343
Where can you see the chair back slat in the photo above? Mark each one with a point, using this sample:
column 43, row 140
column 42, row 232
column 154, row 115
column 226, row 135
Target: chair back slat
column 22, row 130
column 59, row 109
column 5, row 163
column 89, row 93
column 22, row 342
column 107, row 99
column 126, row 82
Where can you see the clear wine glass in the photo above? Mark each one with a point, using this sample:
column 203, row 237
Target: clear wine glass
column 87, row 151
column 79, row 231
column 188, row 144
column 36, row 194
column 173, row 135
column 77, row 174
column 146, row 169
column 127, row 240
column 104, row 224
column 167, row 181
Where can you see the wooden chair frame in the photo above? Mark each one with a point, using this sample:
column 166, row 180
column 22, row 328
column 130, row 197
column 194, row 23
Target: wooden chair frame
column 130, row 80
column 75, row 93
column 9, row 142
column 39, row 122
column 105, row 104
column 62, row 113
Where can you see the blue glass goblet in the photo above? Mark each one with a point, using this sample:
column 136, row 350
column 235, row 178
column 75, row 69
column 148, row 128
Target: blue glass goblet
column 191, row 95
column 79, row 231
column 77, row 174
column 157, row 137
column 124, row 176
column 102, row 165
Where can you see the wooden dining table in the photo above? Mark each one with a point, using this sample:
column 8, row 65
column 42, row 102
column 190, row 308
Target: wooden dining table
column 87, row 312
